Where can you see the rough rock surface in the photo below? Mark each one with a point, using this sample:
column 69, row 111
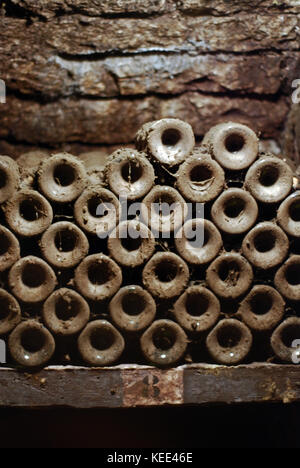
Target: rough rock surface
column 114, row 121
column 82, row 72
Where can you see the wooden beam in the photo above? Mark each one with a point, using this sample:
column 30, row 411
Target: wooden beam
column 127, row 386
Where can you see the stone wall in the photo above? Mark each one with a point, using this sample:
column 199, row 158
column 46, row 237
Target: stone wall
column 82, row 74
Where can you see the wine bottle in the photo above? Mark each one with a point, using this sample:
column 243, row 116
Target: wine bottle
column 64, row 245
column 31, row 344
column 165, row 275
column 31, row 280
column 62, row 178
column 132, row 309
column 98, row 277
column 229, row 342
column 100, row 343
column 28, row 213
column 131, row 243
column 164, row 343
column 168, row 141
column 229, row 276
column 129, row 174
column 233, row 145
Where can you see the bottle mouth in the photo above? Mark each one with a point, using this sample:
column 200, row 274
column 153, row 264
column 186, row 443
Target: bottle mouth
column 165, row 275
column 131, row 171
column 33, row 340
column 166, row 270
column 171, row 137
column 292, row 274
column 163, row 209
column 66, row 240
column 289, row 333
column 168, row 140
column 30, row 210
column 99, row 273
column 200, row 173
column 229, row 336
column 229, row 276
column 235, row 146
column 33, row 275
column 264, row 241
column 196, row 304
column 102, row 338
column 261, row 303
column 164, row 337
column 62, row 178
column 66, row 308
column 269, row 175
column 64, row 175
column 235, row 211
column 294, row 211
column 234, row 207
column 234, row 142
column 229, row 272
column 269, row 179
column 229, row 342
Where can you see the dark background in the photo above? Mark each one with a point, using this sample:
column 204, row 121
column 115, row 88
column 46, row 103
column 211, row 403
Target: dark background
column 239, row 426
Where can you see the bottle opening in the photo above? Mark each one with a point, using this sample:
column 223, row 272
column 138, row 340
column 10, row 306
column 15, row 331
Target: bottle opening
column 294, row 211
column 264, row 241
column 162, row 204
column 229, row 336
column 196, row 304
column 200, row 173
column 64, row 175
column 65, row 240
column 102, row 338
column 229, row 272
column 30, row 210
column 290, row 333
column 131, row 244
column 33, row 275
column 32, row 340
column 269, row 175
column 131, row 171
column 292, row 274
column 164, row 338
column 171, row 137
column 66, row 308
column 133, row 303
column 261, row 303
column 97, row 207
column 234, row 143
column 166, row 271
column 99, row 273
column 234, row 207
column 194, row 238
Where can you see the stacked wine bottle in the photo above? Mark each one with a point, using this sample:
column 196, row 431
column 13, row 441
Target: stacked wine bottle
column 169, row 253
